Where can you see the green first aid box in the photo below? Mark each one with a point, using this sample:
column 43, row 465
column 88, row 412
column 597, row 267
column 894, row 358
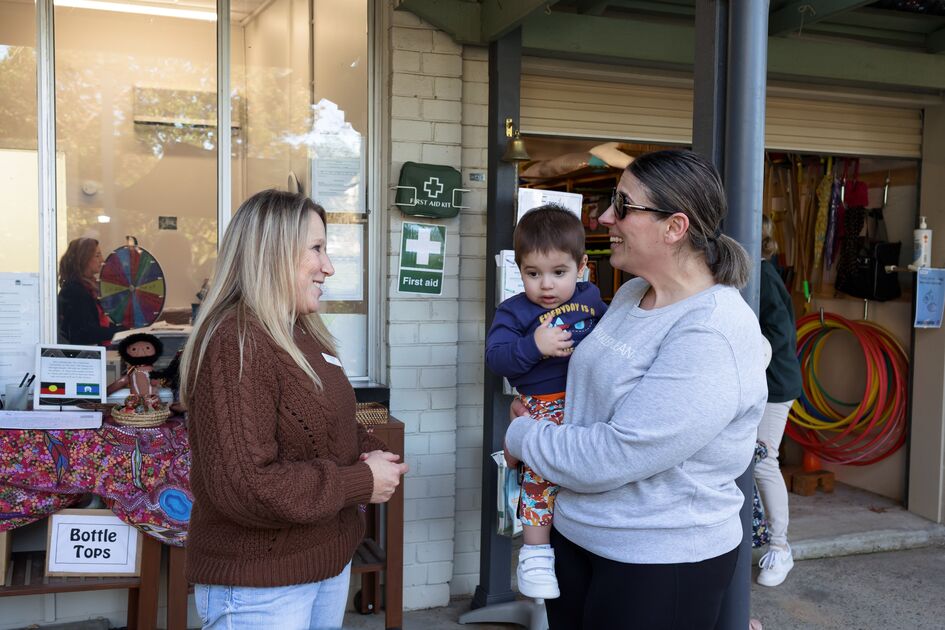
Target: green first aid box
column 429, row 190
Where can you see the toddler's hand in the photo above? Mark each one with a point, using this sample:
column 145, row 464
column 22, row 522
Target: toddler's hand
column 553, row 342
column 517, row 409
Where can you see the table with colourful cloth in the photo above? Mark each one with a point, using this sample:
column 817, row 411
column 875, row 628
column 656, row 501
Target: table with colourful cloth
column 142, row 475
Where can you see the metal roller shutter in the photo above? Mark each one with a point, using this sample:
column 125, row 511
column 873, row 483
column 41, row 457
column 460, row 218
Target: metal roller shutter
column 565, row 106
column 596, row 109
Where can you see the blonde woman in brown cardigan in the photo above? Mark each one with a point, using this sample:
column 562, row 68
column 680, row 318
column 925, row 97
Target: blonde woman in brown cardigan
column 280, row 466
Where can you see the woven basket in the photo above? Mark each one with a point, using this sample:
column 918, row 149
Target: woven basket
column 142, row 420
column 371, row 413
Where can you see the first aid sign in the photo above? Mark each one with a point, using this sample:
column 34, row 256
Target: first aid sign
column 92, row 542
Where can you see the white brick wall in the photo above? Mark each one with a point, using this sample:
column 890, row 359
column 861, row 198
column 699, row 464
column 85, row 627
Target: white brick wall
column 423, row 331
column 438, row 105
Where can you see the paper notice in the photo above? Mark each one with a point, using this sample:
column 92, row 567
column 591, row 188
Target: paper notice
column 19, row 325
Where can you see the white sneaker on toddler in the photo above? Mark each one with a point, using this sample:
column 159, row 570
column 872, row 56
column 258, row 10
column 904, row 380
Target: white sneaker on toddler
column 775, row 565
column 536, row 572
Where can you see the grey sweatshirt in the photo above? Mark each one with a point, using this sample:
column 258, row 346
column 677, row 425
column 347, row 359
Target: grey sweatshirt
column 661, row 416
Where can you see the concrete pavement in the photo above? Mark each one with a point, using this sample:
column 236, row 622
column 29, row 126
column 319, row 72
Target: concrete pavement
column 842, row 578
column 901, row 590
column 879, row 591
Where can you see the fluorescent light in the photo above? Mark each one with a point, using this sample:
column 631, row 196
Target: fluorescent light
column 142, row 9
column 104, row 218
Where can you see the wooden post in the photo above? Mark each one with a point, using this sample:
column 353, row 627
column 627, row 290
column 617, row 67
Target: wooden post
column 177, row 588
column 394, row 545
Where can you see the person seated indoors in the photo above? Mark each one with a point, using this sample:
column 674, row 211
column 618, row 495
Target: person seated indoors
column 530, row 342
column 82, row 321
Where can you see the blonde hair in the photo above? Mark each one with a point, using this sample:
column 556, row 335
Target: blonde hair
column 769, row 246
column 255, row 277
column 73, row 263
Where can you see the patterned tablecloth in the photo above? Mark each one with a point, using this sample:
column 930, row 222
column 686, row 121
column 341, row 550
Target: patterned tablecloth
column 141, row 474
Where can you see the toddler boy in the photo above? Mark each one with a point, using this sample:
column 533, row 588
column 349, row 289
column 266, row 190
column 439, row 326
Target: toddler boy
column 530, row 342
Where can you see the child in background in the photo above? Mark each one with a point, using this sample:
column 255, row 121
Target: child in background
column 530, row 342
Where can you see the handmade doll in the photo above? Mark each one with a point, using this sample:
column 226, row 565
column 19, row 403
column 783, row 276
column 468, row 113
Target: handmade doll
column 140, row 351
column 170, row 377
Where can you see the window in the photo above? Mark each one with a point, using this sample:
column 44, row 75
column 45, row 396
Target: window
column 137, row 142
column 305, row 123
column 135, row 115
column 19, row 162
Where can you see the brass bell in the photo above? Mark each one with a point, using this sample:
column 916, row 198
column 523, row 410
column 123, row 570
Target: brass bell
column 515, row 148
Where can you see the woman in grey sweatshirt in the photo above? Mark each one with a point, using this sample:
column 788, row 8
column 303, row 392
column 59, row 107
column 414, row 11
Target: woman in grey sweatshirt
column 663, row 404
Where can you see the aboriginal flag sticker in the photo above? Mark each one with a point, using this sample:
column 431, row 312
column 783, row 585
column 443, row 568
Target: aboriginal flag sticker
column 52, row 388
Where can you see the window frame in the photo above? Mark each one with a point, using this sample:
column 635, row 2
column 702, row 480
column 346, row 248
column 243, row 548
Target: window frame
column 46, row 149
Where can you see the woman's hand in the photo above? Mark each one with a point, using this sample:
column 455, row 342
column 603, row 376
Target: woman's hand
column 364, row 456
column 510, row 460
column 387, row 473
column 553, row 342
column 517, row 410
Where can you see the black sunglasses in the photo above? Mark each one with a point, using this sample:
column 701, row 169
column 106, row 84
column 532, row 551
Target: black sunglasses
column 622, row 205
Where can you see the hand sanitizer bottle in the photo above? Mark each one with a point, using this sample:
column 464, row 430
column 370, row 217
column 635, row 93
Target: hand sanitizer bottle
column 921, row 246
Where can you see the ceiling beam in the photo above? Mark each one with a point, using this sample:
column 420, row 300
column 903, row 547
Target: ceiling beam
column 587, row 36
column 592, row 7
column 460, row 20
column 801, row 13
column 862, row 34
column 502, row 16
column 936, row 41
column 892, row 20
column 656, row 7
column 474, row 22
column 854, row 63
column 582, row 36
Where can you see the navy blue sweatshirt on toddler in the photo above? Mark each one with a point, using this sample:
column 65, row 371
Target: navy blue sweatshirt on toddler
column 511, row 350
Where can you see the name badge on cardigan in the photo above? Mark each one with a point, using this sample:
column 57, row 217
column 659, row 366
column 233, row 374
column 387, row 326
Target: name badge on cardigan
column 331, row 359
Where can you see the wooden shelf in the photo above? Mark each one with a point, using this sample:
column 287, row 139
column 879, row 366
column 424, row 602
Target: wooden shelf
column 26, row 575
column 606, row 178
column 829, row 293
column 368, row 557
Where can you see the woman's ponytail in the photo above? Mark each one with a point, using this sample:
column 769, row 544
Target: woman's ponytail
column 731, row 266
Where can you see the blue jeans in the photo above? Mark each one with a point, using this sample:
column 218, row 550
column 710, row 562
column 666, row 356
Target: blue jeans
column 312, row 606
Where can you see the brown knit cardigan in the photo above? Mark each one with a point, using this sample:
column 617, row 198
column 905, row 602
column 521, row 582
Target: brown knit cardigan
column 275, row 471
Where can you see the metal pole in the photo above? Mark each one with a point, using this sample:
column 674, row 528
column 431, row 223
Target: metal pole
column 744, row 184
column 505, row 67
column 745, row 131
column 709, row 81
